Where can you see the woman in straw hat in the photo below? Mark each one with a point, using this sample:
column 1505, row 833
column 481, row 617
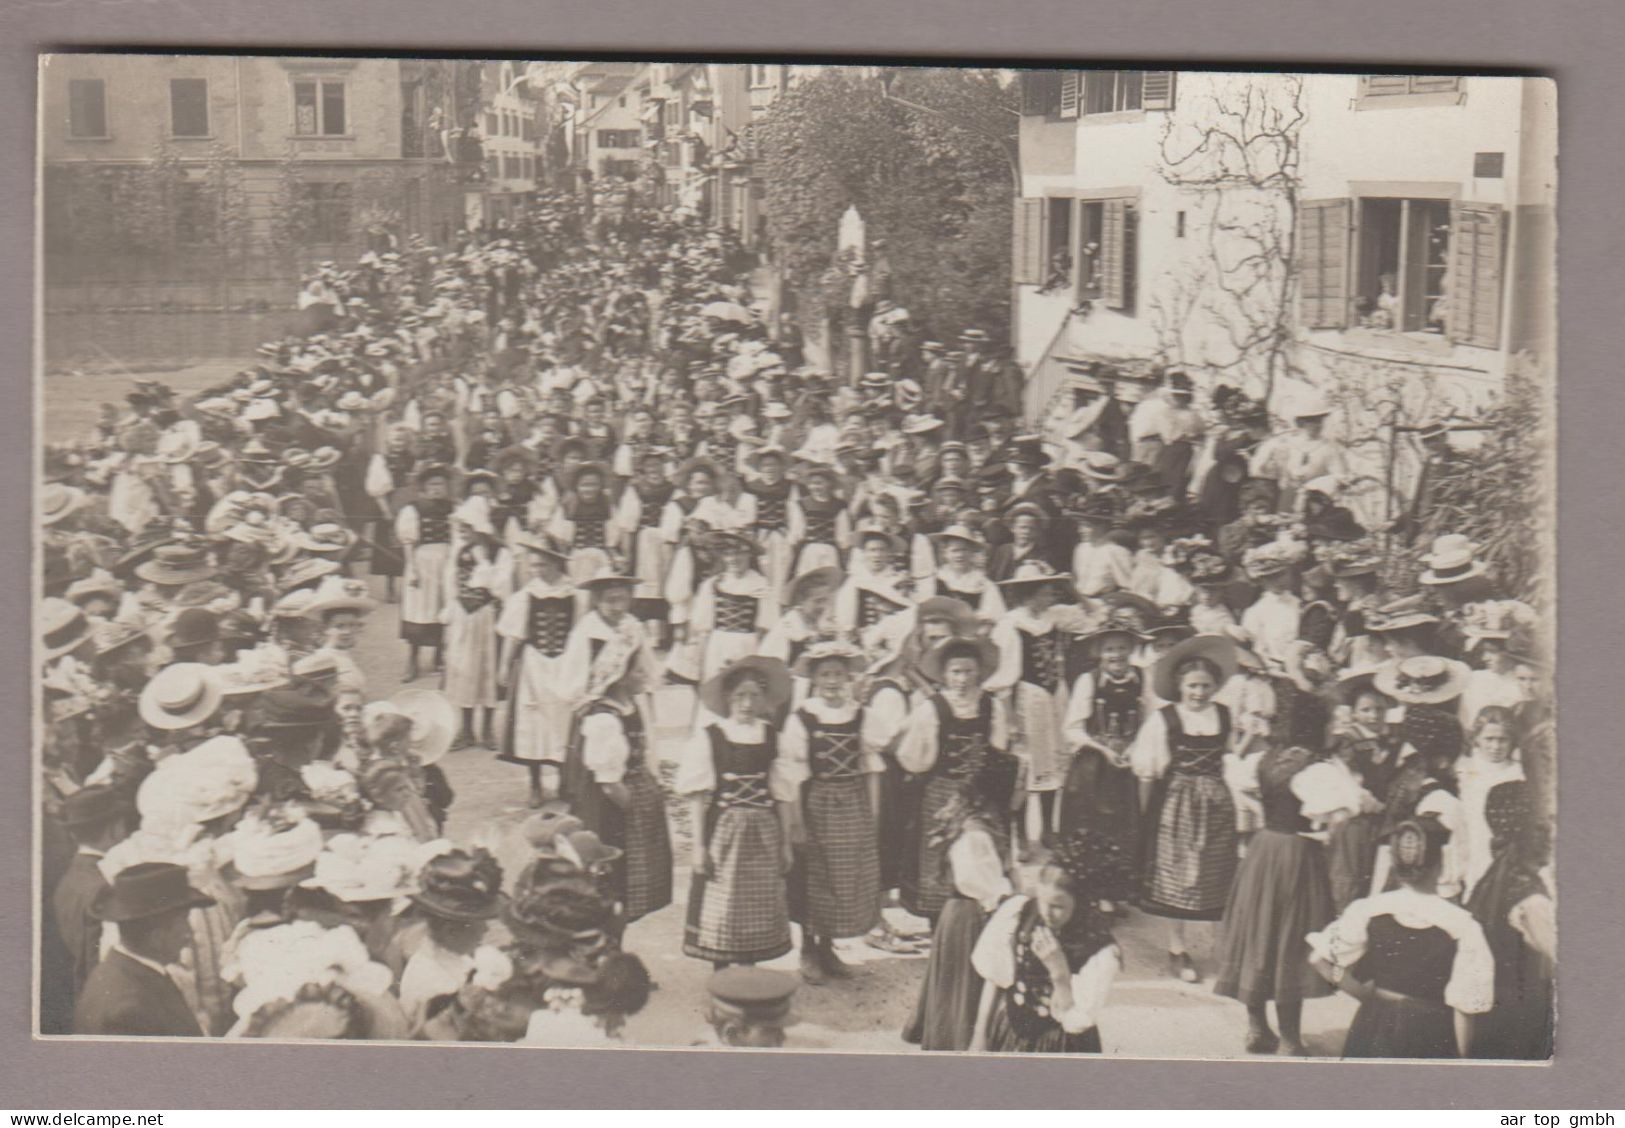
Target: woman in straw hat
column 535, row 627
column 640, row 514
column 1031, row 680
column 951, row 736
column 1104, row 714
column 772, row 493
column 960, row 576
column 808, row 600
column 832, row 770
column 738, row 911
column 584, row 520
column 1189, row 819
column 877, row 585
column 820, row 524
column 608, row 778
column 478, row 577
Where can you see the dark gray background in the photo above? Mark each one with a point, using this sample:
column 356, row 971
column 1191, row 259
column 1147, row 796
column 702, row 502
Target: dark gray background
column 1576, row 42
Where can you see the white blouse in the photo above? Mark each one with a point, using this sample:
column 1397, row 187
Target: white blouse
column 918, row 750
column 994, row 959
column 696, row 769
column 1007, row 637
column 1100, row 568
column 1471, row 989
column 796, row 766
column 605, row 748
column 977, row 869
column 1151, row 753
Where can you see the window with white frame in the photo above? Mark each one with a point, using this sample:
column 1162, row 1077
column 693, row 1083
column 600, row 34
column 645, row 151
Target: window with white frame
column 1111, row 92
column 319, row 108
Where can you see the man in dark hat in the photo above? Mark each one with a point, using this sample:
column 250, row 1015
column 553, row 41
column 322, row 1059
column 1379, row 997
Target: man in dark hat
column 194, row 636
column 131, row 993
column 97, row 817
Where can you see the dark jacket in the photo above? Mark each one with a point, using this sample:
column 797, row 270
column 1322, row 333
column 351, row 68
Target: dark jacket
column 123, row 997
column 80, row 932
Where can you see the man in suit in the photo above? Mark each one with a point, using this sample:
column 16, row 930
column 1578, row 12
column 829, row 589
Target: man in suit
column 130, row 993
column 97, row 818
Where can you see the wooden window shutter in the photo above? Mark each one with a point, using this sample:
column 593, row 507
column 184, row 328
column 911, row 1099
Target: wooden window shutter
column 1157, row 90
column 1477, row 249
column 1323, row 263
column 1385, row 84
column 1114, row 252
column 1071, row 93
column 1027, row 251
column 1435, row 84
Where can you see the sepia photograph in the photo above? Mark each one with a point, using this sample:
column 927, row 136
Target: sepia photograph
column 765, row 555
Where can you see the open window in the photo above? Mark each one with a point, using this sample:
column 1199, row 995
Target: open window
column 319, row 108
column 1403, row 256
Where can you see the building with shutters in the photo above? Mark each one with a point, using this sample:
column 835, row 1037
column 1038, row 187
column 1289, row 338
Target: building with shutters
column 512, row 134
column 1412, row 217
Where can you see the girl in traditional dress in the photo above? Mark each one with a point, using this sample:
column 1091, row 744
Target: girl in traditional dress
column 477, row 580
column 639, row 517
column 1031, row 680
column 1366, row 748
column 958, row 575
column 423, row 528
column 1049, row 960
column 738, row 911
column 388, row 483
column 950, row 738
column 876, row 588
column 1282, row 892
column 1188, row 817
column 609, row 780
column 773, row 494
column 820, row 526
column 535, row 627
column 971, row 827
column 1107, row 707
column 584, row 521
column 1491, row 760
column 1418, row 963
column 831, row 776
column 732, row 608
column 807, row 600
column 685, row 525
column 1519, row 1027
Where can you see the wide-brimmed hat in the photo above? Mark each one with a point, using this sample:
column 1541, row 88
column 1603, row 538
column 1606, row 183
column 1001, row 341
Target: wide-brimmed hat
column 947, row 609
column 1312, row 405
column 274, row 852
column 921, row 424
column 305, row 572
column 336, row 593
column 759, row 995
column 356, row 867
column 869, row 532
column 1102, row 466
column 985, row 653
column 180, row 696
column 254, row 671
column 328, row 537
column 1025, row 450
column 1031, row 573
column 1120, row 602
column 1425, row 679
column 1336, row 524
column 100, row 584
column 301, row 706
column 58, row 502
column 147, row 889
column 829, row 650
column 1218, row 649
column 1272, row 558
column 63, row 627
column 960, row 533
column 544, row 544
column 607, row 577
column 796, row 589
column 203, row 783
column 176, row 564
column 461, row 884
column 1399, row 615
column 195, row 626
column 1452, row 560
column 434, row 722
column 1350, row 562
column 1093, row 641
column 772, row 672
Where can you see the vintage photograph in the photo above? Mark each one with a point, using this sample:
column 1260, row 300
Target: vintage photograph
column 764, row 555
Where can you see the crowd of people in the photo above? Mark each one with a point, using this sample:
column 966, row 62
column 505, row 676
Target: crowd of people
column 1020, row 686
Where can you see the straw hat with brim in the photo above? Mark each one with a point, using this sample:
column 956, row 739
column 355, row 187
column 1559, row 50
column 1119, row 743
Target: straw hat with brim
column 1352, row 683
column 770, row 672
column 983, row 651
column 338, row 594
column 756, row 457
column 434, row 722
column 63, row 627
column 1175, row 631
column 828, row 577
column 586, row 849
column 302, row 573
column 1523, row 647
column 1034, row 573
column 960, row 533
column 461, row 885
column 829, row 651
column 603, row 581
column 1102, row 466
column 176, row 564
column 544, row 544
column 58, row 502
column 1094, row 641
column 180, row 696
column 328, row 537
column 893, row 541
column 551, row 820
column 251, row 674
column 1117, row 601
column 194, row 626
column 1423, row 680
column 148, row 889
column 947, row 609
column 1221, row 651
column 1452, row 560
column 1402, row 615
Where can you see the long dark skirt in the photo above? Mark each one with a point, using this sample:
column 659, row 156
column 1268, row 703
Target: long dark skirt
column 925, row 884
column 836, row 887
column 1351, row 859
column 1413, row 1029
column 642, row 877
column 1281, row 895
column 385, row 557
column 945, row 1016
column 1098, row 795
column 900, row 797
column 1190, row 848
column 1519, row 1027
column 1002, row 1039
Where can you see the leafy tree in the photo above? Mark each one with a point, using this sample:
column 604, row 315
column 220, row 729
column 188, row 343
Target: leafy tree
column 936, row 185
